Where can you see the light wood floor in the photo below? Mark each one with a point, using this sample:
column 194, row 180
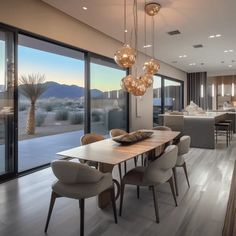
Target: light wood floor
column 201, row 211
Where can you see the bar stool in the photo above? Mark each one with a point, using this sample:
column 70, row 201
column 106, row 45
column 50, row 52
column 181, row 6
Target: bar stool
column 231, row 127
column 223, row 128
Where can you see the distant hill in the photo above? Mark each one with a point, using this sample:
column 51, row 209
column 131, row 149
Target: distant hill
column 67, row 91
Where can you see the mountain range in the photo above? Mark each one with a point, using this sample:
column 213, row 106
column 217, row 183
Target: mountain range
column 66, row 91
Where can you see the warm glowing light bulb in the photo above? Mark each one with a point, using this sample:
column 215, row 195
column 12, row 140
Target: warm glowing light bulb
column 232, row 92
column 222, row 90
column 213, row 90
column 202, row 95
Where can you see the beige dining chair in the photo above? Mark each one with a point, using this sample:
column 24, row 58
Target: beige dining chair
column 87, row 139
column 156, row 173
column 118, row 132
column 158, row 152
column 115, row 133
column 162, row 128
column 79, row 181
column 183, row 149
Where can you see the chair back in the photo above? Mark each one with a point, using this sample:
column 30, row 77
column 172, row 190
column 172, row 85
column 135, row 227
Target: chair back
column 117, row 132
column 162, row 128
column 90, row 138
column 184, row 145
column 164, row 163
column 69, row 172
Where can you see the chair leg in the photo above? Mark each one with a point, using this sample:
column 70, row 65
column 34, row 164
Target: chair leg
column 52, row 202
column 121, row 197
column 186, row 173
column 176, row 181
column 154, row 192
column 125, row 167
column 120, row 174
column 81, row 205
column 172, row 189
column 142, row 159
column 135, row 161
column 138, row 188
column 113, row 201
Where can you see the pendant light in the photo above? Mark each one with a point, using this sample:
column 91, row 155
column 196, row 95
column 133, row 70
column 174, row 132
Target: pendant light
column 152, row 66
column 125, row 57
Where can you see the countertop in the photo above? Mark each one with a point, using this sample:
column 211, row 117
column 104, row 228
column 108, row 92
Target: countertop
column 207, row 115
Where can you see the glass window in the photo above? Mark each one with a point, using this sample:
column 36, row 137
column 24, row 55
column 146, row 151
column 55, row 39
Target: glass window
column 6, row 103
column 157, row 105
column 173, row 95
column 50, row 102
column 108, row 100
column 167, row 96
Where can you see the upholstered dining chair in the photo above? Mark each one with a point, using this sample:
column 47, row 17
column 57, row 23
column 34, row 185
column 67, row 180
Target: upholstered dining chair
column 79, row 181
column 158, row 152
column 87, row 139
column 183, row 149
column 162, row 128
column 156, row 173
column 115, row 133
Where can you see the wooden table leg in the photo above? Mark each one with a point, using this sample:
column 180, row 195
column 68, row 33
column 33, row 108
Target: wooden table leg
column 104, row 198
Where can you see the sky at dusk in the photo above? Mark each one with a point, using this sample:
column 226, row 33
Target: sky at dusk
column 66, row 70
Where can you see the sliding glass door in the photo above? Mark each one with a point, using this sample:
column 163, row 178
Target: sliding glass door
column 173, row 95
column 6, row 103
column 108, row 103
column 50, row 95
column 157, row 99
column 167, row 96
column 50, row 101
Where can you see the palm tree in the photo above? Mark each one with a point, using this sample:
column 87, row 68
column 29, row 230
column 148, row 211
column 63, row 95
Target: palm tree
column 32, row 87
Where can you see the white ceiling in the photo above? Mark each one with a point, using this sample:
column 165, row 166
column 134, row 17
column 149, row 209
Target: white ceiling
column 196, row 20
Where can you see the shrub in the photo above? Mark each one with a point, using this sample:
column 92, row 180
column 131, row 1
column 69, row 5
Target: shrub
column 62, row 115
column 96, row 115
column 76, row 118
column 48, row 107
column 39, row 118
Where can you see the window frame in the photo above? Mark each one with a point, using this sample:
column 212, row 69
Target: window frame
column 163, row 77
column 87, row 58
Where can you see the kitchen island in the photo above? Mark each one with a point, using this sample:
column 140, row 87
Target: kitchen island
column 200, row 127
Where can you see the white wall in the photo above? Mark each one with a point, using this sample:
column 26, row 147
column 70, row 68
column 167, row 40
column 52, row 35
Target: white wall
column 38, row 17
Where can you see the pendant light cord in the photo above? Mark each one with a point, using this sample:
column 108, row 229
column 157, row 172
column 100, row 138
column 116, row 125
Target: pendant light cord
column 153, row 36
column 125, row 23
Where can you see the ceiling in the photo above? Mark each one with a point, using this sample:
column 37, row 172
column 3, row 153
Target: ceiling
column 196, row 20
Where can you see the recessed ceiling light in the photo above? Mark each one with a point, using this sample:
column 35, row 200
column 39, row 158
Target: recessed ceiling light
column 126, row 31
column 85, row 8
column 229, row 50
column 214, row 36
column 147, row 46
column 192, row 64
column 182, row 56
column 229, row 66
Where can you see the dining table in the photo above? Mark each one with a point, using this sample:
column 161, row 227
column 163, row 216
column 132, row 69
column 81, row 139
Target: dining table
column 109, row 153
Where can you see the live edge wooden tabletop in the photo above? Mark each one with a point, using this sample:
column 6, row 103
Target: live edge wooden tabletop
column 109, row 152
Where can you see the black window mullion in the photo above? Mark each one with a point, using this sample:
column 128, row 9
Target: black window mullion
column 87, row 101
